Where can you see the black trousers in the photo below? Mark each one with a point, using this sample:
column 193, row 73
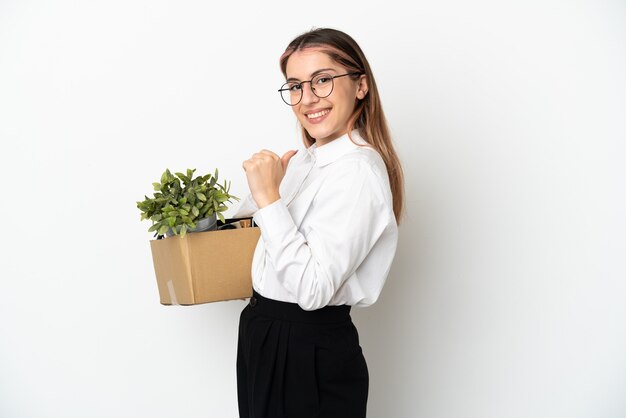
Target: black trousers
column 293, row 363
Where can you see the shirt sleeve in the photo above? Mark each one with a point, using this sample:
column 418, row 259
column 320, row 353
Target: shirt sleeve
column 247, row 207
column 349, row 214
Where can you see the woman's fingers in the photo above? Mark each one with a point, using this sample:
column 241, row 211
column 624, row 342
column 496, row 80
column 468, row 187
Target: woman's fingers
column 265, row 171
column 286, row 157
column 265, row 155
column 268, row 152
column 261, row 156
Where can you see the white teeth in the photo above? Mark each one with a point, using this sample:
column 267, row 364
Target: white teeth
column 318, row 114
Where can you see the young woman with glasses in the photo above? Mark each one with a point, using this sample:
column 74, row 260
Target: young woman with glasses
column 328, row 214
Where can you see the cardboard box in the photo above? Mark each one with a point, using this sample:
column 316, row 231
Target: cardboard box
column 205, row 266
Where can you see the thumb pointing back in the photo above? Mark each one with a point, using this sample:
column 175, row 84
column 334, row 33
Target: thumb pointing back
column 286, row 157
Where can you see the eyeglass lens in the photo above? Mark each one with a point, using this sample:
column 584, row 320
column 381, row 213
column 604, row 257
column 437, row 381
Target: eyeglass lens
column 321, row 86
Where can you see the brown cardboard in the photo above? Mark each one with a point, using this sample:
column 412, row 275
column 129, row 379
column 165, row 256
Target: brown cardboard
column 205, row 267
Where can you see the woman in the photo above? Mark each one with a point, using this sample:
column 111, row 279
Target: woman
column 328, row 214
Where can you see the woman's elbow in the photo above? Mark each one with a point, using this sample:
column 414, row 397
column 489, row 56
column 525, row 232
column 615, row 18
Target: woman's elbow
column 316, row 296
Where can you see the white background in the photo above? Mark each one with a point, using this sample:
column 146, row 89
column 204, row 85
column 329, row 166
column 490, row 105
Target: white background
column 507, row 295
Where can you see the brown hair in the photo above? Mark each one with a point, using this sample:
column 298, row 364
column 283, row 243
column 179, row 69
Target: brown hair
column 368, row 116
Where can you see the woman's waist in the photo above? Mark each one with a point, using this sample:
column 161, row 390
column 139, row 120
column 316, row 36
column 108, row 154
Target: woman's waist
column 291, row 311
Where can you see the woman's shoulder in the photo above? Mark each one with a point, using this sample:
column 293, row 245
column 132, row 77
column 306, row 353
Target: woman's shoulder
column 362, row 170
column 362, row 166
column 365, row 156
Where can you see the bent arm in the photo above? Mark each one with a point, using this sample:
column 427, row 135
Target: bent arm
column 347, row 217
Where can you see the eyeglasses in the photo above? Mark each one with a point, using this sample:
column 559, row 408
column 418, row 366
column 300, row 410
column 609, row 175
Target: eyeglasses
column 321, row 86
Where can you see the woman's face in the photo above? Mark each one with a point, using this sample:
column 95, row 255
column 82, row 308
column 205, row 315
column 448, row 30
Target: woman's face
column 324, row 119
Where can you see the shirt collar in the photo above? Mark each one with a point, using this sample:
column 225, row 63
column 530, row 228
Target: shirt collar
column 335, row 149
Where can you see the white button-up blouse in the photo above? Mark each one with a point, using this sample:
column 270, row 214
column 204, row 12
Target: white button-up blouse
column 331, row 237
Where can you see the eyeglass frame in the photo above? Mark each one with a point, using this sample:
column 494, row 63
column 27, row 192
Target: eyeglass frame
column 332, row 77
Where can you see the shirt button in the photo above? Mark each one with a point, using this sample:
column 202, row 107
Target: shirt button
column 253, row 301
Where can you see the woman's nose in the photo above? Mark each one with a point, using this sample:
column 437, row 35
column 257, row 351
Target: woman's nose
column 307, row 94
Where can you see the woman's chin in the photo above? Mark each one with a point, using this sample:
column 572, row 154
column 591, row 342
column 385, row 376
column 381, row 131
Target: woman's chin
column 317, row 132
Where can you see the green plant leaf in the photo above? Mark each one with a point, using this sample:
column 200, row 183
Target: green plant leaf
column 195, row 211
column 220, row 216
column 201, row 196
column 183, row 177
column 163, row 230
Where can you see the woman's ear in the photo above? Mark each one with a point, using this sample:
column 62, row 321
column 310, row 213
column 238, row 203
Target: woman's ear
column 362, row 87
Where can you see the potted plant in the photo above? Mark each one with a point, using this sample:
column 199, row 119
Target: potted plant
column 191, row 206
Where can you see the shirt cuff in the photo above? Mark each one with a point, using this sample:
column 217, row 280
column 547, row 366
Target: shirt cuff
column 247, row 208
column 275, row 221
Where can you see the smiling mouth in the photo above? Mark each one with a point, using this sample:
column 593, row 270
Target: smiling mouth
column 318, row 114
